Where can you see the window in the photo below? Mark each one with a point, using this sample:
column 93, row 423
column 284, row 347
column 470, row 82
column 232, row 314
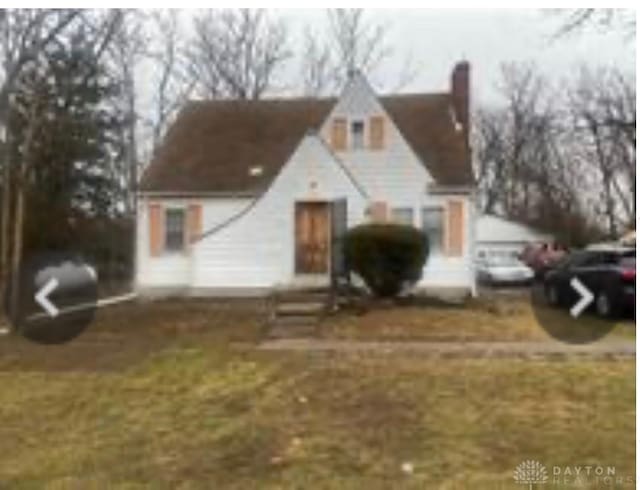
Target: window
column 174, row 230
column 339, row 134
column 402, row 215
column 432, row 226
column 378, row 211
column 357, row 135
column 376, row 133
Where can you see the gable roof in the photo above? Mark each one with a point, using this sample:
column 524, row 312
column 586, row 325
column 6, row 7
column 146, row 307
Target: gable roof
column 212, row 145
column 427, row 123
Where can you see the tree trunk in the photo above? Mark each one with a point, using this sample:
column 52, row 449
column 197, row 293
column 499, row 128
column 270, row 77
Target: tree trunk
column 132, row 161
column 17, row 250
column 20, row 205
column 5, row 222
column 6, row 213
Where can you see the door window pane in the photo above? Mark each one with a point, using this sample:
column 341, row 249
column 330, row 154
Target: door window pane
column 432, row 219
column 174, row 230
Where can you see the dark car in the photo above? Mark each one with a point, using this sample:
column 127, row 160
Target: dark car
column 608, row 272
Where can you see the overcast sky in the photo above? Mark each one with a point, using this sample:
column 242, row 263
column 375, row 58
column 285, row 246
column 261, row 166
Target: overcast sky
column 436, row 39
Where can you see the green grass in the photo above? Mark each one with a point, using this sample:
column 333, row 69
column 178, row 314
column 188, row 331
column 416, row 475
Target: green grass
column 186, row 411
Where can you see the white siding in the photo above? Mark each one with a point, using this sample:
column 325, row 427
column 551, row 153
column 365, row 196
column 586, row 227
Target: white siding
column 257, row 250
column 499, row 235
column 174, row 270
column 396, row 175
column 455, row 272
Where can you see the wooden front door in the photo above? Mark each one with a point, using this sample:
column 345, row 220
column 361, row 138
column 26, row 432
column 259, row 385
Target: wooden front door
column 312, row 237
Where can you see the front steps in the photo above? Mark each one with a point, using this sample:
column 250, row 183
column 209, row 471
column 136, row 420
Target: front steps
column 297, row 313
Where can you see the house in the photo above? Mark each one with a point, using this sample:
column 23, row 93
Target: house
column 496, row 235
column 247, row 196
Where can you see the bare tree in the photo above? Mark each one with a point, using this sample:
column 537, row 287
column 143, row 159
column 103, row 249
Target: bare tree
column 30, row 63
column 24, row 35
column 564, row 163
column 125, row 55
column 354, row 43
column 318, row 72
column 605, row 19
column 237, row 53
column 358, row 44
column 174, row 81
column 603, row 107
column 523, row 168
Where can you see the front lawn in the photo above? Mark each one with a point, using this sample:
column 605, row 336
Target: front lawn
column 491, row 317
column 184, row 410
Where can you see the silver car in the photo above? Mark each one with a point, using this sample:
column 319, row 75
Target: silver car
column 503, row 270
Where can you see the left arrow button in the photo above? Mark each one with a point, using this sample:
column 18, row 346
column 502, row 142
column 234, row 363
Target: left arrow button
column 42, row 297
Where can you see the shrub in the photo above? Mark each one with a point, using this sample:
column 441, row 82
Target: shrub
column 388, row 257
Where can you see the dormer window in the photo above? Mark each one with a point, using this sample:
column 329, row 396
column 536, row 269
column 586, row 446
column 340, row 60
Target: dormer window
column 357, row 135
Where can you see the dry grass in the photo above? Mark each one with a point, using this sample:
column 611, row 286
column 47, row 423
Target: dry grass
column 489, row 318
column 184, row 411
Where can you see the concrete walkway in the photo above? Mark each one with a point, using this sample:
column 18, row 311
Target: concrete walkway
column 604, row 349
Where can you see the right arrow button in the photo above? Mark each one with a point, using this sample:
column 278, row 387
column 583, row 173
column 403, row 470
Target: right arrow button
column 586, row 297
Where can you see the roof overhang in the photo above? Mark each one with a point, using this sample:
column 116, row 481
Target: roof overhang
column 438, row 189
column 195, row 194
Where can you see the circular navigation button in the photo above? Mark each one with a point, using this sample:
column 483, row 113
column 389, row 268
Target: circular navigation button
column 567, row 309
column 54, row 298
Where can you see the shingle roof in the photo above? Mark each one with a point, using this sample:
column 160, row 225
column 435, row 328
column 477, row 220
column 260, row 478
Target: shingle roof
column 426, row 122
column 212, row 145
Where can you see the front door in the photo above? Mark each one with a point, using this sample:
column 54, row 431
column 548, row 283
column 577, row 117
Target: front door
column 312, row 237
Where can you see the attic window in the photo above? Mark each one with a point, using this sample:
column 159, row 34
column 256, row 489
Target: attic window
column 357, row 135
column 255, row 171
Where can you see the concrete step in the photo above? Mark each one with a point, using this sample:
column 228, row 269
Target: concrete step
column 296, row 320
column 291, row 331
column 302, row 296
column 300, row 308
column 297, row 312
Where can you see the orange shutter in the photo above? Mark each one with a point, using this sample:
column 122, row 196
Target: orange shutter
column 376, row 133
column 155, row 229
column 455, row 228
column 194, row 229
column 378, row 211
column 339, row 134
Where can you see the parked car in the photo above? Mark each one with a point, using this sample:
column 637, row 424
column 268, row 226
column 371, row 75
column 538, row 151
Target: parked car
column 503, row 269
column 608, row 271
column 543, row 257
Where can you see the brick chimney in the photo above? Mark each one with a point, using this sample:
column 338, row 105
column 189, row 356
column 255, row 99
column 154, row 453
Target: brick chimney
column 460, row 86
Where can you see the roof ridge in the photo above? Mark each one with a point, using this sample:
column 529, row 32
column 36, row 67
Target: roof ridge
column 303, row 98
column 415, row 94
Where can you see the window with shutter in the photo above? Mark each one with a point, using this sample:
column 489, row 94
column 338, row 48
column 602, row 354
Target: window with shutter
column 378, row 211
column 155, row 230
column 339, row 134
column 357, row 135
column 455, row 228
column 195, row 222
column 174, row 230
column 376, row 133
column 432, row 224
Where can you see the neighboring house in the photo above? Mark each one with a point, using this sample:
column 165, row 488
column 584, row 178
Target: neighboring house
column 246, row 196
column 499, row 236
